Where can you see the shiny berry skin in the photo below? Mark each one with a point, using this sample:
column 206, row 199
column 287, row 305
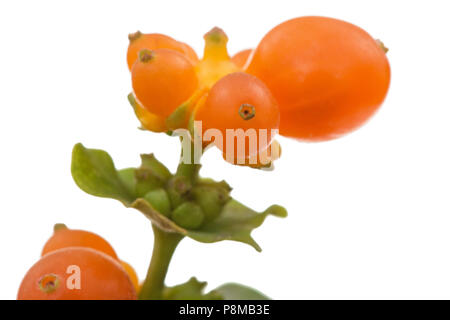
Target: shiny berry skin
column 240, row 101
column 131, row 274
column 64, row 237
column 162, row 80
column 153, row 41
column 76, row 273
column 328, row 76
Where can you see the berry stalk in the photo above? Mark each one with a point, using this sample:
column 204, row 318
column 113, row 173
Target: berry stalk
column 164, row 246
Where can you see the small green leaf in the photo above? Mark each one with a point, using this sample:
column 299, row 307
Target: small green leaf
column 235, row 291
column 151, row 175
column 235, row 222
column 191, row 290
column 150, row 162
column 178, row 118
column 94, row 172
column 132, row 100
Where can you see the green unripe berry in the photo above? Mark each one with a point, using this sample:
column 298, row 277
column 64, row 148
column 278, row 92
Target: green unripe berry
column 211, row 200
column 188, row 215
column 159, row 199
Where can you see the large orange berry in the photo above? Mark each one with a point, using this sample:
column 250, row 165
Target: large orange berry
column 162, row 80
column 64, row 237
column 76, row 273
column 243, row 113
column 153, row 41
column 328, row 76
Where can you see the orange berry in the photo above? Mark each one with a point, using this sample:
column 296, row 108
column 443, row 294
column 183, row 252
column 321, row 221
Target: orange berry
column 328, row 76
column 64, row 237
column 132, row 274
column 76, row 274
column 240, row 102
column 153, row 41
column 162, row 80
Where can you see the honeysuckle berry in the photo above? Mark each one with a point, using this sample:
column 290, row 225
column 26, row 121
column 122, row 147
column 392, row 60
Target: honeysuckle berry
column 328, row 76
column 153, row 41
column 162, row 80
column 63, row 237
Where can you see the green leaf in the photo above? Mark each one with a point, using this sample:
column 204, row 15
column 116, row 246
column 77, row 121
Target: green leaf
column 178, row 118
column 94, row 172
column 235, row 222
column 151, row 175
column 235, row 291
column 150, row 162
column 191, row 290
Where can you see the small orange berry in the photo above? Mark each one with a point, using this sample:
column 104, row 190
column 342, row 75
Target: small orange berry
column 64, row 237
column 162, row 80
column 153, row 41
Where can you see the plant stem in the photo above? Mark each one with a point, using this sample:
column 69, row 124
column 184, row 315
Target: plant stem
column 165, row 242
column 163, row 249
column 189, row 169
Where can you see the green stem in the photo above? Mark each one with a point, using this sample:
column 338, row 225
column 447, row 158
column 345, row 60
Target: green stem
column 189, row 170
column 163, row 249
column 165, row 243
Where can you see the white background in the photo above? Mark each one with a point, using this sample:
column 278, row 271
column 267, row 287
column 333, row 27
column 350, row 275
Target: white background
column 369, row 213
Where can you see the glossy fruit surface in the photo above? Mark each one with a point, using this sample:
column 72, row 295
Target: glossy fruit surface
column 76, row 274
column 162, row 80
column 328, row 76
column 240, row 102
column 131, row 274
column 64, row 237
column 240, row 58
column 153, row 41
